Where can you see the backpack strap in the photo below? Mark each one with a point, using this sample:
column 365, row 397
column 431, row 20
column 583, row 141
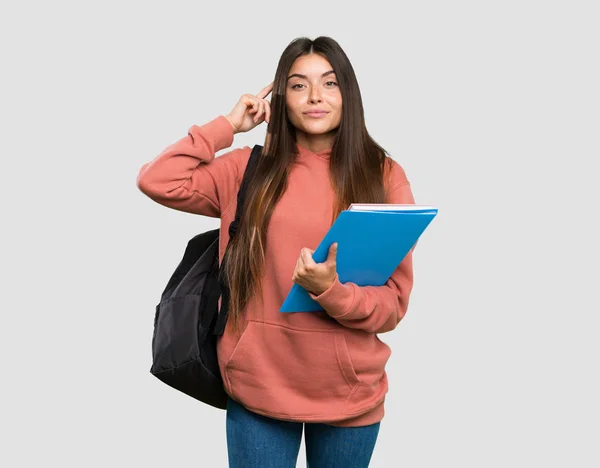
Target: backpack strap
column 233, row 227
column 241, row 196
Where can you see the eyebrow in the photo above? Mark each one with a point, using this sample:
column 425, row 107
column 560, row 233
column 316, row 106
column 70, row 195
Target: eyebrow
column 306, row 77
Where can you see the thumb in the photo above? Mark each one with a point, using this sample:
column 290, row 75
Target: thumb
column 332, row 252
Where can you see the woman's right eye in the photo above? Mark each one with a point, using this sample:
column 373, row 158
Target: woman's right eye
column 297, row 84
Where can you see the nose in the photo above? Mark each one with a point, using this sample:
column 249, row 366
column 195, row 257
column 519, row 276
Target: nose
column 315, row 96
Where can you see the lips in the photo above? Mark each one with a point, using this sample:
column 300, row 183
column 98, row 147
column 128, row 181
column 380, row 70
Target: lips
column 316, row 113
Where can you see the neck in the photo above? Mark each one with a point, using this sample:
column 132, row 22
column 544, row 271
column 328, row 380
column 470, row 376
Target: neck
column 315, row 143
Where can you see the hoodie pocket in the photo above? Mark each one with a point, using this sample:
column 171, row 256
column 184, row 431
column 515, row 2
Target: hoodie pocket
column 291, row 373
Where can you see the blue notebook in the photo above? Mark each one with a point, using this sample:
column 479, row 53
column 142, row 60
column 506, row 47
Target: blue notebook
column 372, row 241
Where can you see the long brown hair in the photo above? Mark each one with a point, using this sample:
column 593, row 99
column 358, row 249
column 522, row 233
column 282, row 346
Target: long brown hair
column 357, row 168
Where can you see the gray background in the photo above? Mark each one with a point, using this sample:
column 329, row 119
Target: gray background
column 492, row 108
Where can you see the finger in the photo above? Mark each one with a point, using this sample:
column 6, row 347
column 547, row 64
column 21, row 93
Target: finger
column 268, row 111
column 332, row 253
column 256, row 105
column 253, row 107
column 300, row 260
column 306, row 256
column 296, row 275
column 261, row 110
column 251, row 101
column 263, row 93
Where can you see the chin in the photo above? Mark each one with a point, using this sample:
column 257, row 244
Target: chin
column 314, row 131
column 318, row 128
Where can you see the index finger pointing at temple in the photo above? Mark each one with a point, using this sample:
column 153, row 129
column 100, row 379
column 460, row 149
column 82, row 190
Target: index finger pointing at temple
column 265, row 91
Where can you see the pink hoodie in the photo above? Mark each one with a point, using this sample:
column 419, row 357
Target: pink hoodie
column 312, row 367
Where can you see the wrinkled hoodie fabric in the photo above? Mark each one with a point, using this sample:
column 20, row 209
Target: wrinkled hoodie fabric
column 327, row 366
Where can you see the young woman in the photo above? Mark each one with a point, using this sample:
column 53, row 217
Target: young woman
column 323, row 372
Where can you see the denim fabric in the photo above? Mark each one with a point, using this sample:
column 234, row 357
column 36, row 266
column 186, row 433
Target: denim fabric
column 256, row 441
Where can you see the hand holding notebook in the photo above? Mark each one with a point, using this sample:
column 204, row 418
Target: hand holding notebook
column 312, row 276
column 372, row 241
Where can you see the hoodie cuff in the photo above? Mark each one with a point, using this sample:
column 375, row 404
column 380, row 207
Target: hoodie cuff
column 337, row 300
column 218, row 130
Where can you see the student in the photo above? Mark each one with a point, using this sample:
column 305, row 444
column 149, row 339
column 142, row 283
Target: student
column 321, row 372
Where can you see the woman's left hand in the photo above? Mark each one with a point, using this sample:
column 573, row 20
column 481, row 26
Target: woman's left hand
column 315, row 277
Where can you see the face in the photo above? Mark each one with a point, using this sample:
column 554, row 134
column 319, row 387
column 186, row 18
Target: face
column 313, row 98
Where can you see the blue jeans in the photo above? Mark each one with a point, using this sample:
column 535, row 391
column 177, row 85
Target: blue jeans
column 255, row 441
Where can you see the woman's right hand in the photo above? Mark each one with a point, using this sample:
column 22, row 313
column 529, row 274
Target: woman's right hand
column 250, row 111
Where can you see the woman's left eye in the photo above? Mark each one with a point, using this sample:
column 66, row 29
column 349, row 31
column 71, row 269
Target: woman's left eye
column 332, row 82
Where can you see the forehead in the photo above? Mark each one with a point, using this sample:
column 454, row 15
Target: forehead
column 311, row 65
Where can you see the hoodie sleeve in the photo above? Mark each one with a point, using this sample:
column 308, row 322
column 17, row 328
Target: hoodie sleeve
column 375, row 309
column 186, row 176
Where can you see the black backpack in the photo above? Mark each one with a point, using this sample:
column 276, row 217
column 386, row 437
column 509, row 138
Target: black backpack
column 187, row 320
